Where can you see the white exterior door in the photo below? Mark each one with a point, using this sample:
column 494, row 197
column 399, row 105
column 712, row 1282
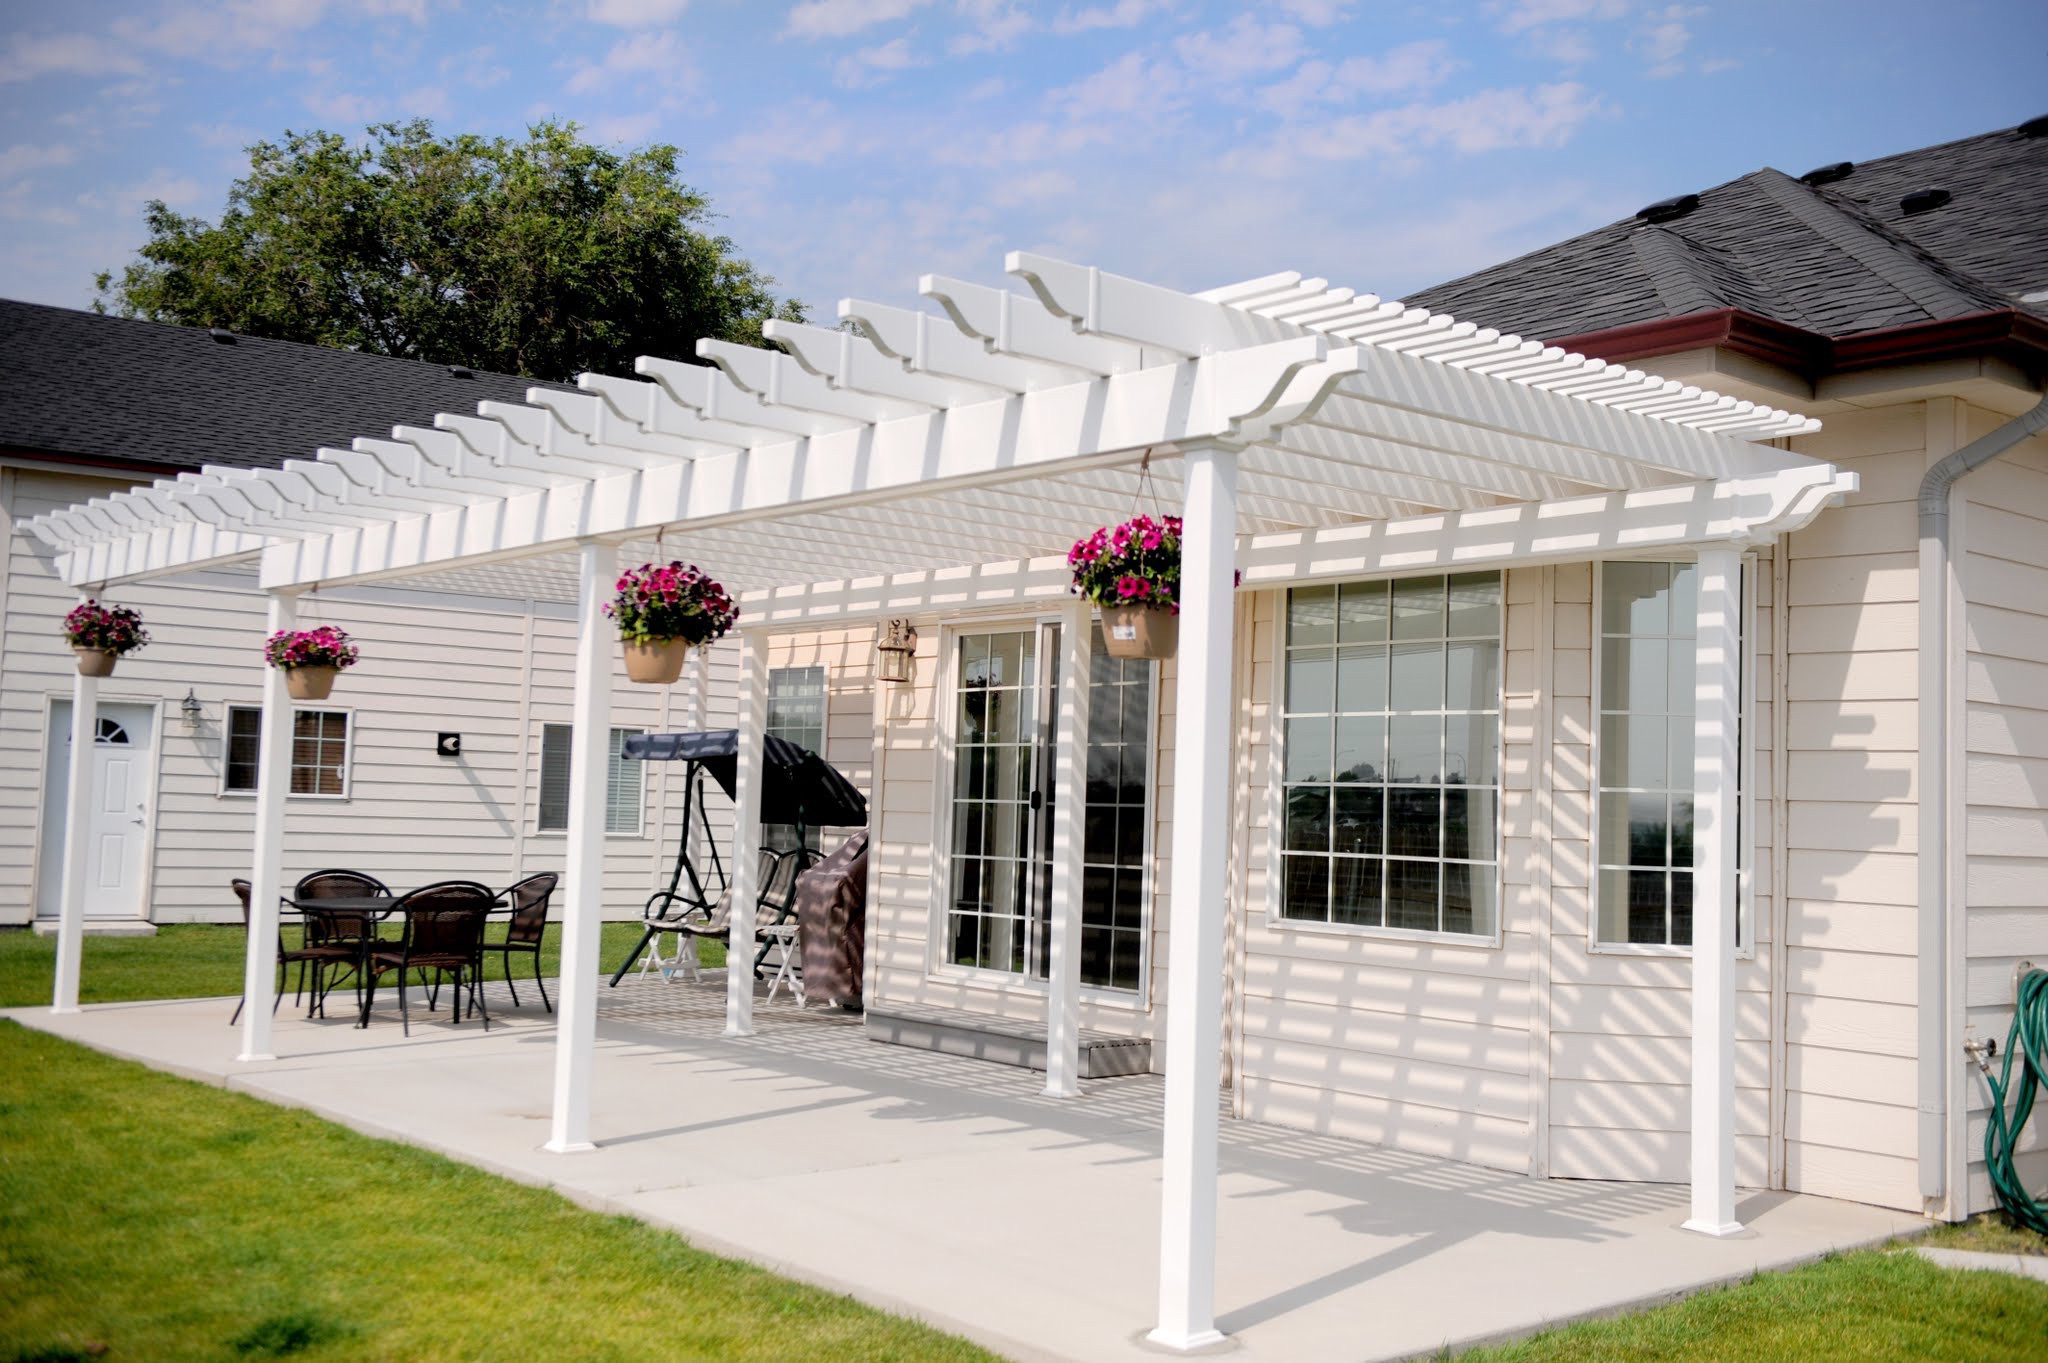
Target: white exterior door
column 118, row 829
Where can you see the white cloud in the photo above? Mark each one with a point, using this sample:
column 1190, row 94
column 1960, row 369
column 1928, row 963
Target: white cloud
column 1662, row 38
column 637, row 13
column 1565, row 46
column 1408, row 69
column 1522, row 15
column 23, row 157
column 67, row 54
column 1317, row 13
column 807, row 132
column 1244, row 48
column 996, row 25
column 1132, row 84
column 630, row 128
column 839, row 18
column 1120, row 14
column 1490, row 120
column 662, row 55
column 873, row 65
column 354, row 107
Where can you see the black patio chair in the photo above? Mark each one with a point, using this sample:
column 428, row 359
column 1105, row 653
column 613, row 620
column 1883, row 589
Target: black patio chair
column 444, row 933
column 341, row 939
column 285, row 957
column 527, row 929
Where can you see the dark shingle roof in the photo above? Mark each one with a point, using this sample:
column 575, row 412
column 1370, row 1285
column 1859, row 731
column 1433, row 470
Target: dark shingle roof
column 82, row 385
column 1838, row 259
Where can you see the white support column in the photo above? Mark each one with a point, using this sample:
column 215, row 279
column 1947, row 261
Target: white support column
column 1715, row 774
column 1070, row 801
column 746, row 833
column 266, row 873
column 85, row 727
column 597, row 570
column 1201, row 843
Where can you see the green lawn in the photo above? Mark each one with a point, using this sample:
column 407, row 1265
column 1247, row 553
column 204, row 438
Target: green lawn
column 185, row 961
column 144, row 1217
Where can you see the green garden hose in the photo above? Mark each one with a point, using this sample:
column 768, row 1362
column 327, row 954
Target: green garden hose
column 2029, row 1041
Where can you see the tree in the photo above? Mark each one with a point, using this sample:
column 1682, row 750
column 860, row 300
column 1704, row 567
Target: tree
column 545, row 257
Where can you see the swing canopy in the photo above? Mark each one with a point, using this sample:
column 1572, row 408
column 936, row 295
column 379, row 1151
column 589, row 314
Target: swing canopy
column 797, row 785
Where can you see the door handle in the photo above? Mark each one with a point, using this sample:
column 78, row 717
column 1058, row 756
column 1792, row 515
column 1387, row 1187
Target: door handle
column 1037, row 799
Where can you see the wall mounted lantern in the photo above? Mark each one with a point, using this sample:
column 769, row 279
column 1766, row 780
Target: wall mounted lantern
column 896, row 653
column 191, row 709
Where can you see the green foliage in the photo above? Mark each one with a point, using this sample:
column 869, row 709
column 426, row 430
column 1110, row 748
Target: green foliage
column 544, row 257
column 132, row 1227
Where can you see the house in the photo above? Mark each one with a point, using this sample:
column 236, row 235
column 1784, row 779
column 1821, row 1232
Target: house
column 91, row 405
column 1542, row 670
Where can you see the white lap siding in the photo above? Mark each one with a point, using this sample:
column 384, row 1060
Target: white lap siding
column 2001, row 532
column 492, row 671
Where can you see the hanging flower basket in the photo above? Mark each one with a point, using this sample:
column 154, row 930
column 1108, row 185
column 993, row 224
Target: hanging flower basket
column 1132, row 571
column 663, row 611
column 99, row 635
column 310, row 659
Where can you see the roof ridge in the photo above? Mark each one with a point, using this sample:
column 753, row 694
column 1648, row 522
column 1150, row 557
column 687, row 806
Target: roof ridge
column 1892, row 259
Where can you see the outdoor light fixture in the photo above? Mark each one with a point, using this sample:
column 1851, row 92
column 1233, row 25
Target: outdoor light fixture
column 896, row 652
column 191, row 709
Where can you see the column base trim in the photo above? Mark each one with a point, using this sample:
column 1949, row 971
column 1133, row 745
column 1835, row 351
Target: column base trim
column 63, row 1010
column 250, row 1057
column 1186, row 1343
column 569, row 1147
column 1720, row 1230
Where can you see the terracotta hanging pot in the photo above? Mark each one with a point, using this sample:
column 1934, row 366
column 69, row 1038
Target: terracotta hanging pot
column 655, row 663
column 309, row 683
column 95, row 662
column 1140, row 631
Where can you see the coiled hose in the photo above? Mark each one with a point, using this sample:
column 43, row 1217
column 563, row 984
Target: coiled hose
column 2012, row 1100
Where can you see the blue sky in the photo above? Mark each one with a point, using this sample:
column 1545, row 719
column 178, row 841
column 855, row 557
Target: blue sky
column 853, row 144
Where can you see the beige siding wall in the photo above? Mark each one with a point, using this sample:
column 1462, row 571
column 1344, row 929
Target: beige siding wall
column 494, row 672
column 2001, row 549
column 1852, row 689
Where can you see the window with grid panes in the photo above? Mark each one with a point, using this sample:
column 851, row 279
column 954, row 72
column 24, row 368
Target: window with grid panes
column 319, row 751
column 1390, row 754
column 1649, row 613
column 796, row 713
column 622, row 778
column 1117, row 811
column 994, row 747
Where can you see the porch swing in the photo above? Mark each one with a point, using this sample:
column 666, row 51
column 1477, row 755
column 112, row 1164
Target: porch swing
column 798, row 788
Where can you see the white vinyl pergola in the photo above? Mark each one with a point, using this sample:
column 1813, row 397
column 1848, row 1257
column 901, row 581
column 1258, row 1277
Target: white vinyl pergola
column 919, row 461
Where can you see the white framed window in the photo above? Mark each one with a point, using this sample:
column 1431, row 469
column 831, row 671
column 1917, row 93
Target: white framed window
column 320, row 752
column 623, row 782
column 796, row 714
column 1389, row 742
column 1647, row 614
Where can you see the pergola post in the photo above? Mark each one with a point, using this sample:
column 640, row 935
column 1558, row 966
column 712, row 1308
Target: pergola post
column 746, row 832
column 597, row 570
column 1200, row 864
column 266, row 871
column 1070, row 801
column 85, row 727
column 1716, row 715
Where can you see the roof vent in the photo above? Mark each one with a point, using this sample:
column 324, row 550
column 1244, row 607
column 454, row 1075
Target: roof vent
column 222, row 335
column 1925, row 200
column 1665, row 210
column 461, row 371
column 1828, row 174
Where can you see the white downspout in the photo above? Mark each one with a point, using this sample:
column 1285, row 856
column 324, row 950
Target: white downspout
column 1933, row 767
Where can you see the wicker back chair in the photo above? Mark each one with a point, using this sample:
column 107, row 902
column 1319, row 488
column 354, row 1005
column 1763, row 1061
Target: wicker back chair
column 310, row 955
column 444, row 933
column 527, row 930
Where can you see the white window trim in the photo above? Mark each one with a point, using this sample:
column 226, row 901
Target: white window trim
column 1745, row 886
column 1003, row 982
column 824, row 697
column 540, row 739
column 348, row 753
column 1276, row 794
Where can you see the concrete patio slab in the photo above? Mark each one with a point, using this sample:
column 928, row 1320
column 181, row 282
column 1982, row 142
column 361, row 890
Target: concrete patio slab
column 954, row 1191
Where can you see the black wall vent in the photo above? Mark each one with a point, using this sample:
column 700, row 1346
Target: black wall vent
column 222, row 335
column 1665, row 210
column 1828, row 174
column 461, row 371
column 1925, row 200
